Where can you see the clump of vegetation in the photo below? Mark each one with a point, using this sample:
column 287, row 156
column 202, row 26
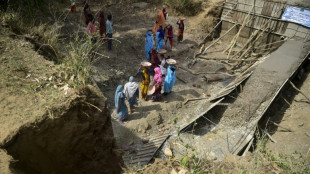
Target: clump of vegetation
column 73, row 58
column 186, row 7
column 293, row 163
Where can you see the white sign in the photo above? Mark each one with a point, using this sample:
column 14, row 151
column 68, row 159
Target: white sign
column 297, row 14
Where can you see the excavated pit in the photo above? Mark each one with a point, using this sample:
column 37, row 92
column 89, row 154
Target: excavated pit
column 77, row 138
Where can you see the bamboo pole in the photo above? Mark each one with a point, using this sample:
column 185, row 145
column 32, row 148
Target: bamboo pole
column 205, row 50
column 299, row 91
column 263, row 28
column 238, row 60
column 233, row 42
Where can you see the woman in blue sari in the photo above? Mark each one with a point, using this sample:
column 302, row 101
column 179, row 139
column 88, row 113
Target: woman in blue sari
column 160, row 37
column 148, row 44
column 170, row 79
column 120, row 105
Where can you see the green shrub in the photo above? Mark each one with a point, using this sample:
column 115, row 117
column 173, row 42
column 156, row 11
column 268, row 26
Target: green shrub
column 186, row 7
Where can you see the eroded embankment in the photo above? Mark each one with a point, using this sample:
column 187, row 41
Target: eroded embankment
column 74, row 138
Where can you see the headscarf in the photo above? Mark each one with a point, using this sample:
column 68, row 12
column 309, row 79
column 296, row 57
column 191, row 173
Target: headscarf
column 101, row 14
column 170, row 79
column 164, row 12
column 130, row 88
column 156, row 61
column 158, row 76
column 85, row 5
column 118, row 94
column 170, row 31
column 148, row 44
column 161, row 33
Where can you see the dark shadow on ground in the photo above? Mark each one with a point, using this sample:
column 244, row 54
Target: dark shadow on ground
column 277, row 109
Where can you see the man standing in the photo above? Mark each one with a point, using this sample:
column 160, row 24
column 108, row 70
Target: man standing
column 109, row 31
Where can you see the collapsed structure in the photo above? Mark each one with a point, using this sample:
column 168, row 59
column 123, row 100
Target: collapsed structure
column 255, row 29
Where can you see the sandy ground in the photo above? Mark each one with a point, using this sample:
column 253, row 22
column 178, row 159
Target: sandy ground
column 294, row 117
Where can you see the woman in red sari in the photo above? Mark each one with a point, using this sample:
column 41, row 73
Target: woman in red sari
column 86, row 12
column 169, row 36
column 102, row 27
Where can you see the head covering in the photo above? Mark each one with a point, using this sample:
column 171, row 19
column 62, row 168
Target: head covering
column 170, row 79
column 157, row 76
column 130, row 88
column 161, row 33
column 148, row 44
column 118, row 94
column 101, row 14
column 131, row 79
column 85, row 5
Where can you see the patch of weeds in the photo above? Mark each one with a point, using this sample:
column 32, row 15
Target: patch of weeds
column 22, row 68
column 186, row 7
column 293, row 163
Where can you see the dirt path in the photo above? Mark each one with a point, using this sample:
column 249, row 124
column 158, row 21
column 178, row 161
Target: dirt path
column 131, row 24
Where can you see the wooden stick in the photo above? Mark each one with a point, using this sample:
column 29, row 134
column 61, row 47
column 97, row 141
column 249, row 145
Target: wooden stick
column 271, row 43
column 299, row 91
column 218, row 39
column 260, row 35
column 254, row 34
column 204, row 72
column 245, row 21
column 269, row 136
column 281, row 126
column 285, row 100
column 208, row 58
column 194, row 99
column 248, row 147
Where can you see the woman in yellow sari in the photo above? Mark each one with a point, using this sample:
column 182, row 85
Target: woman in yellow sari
column 145, row 83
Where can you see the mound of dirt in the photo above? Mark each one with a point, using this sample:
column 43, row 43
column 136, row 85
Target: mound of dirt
column 48, row 126
column 77, row 139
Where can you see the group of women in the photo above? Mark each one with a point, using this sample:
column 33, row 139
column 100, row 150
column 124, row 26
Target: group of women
column 157, row 73
column 130, row 92
column 157, row 34
column 105, row 26
column 131, row 89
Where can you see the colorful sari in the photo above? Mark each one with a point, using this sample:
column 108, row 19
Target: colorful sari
column 145, row 83
column 181, row 30
column 102, row 27
column 86, row 12
column 148, row 44
column 170, row 79
column 120, row 105
column 158, row 85
column 131, row 91
column 155, row 60
column 160, row 21
column 170, row 36
column 160, row 37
